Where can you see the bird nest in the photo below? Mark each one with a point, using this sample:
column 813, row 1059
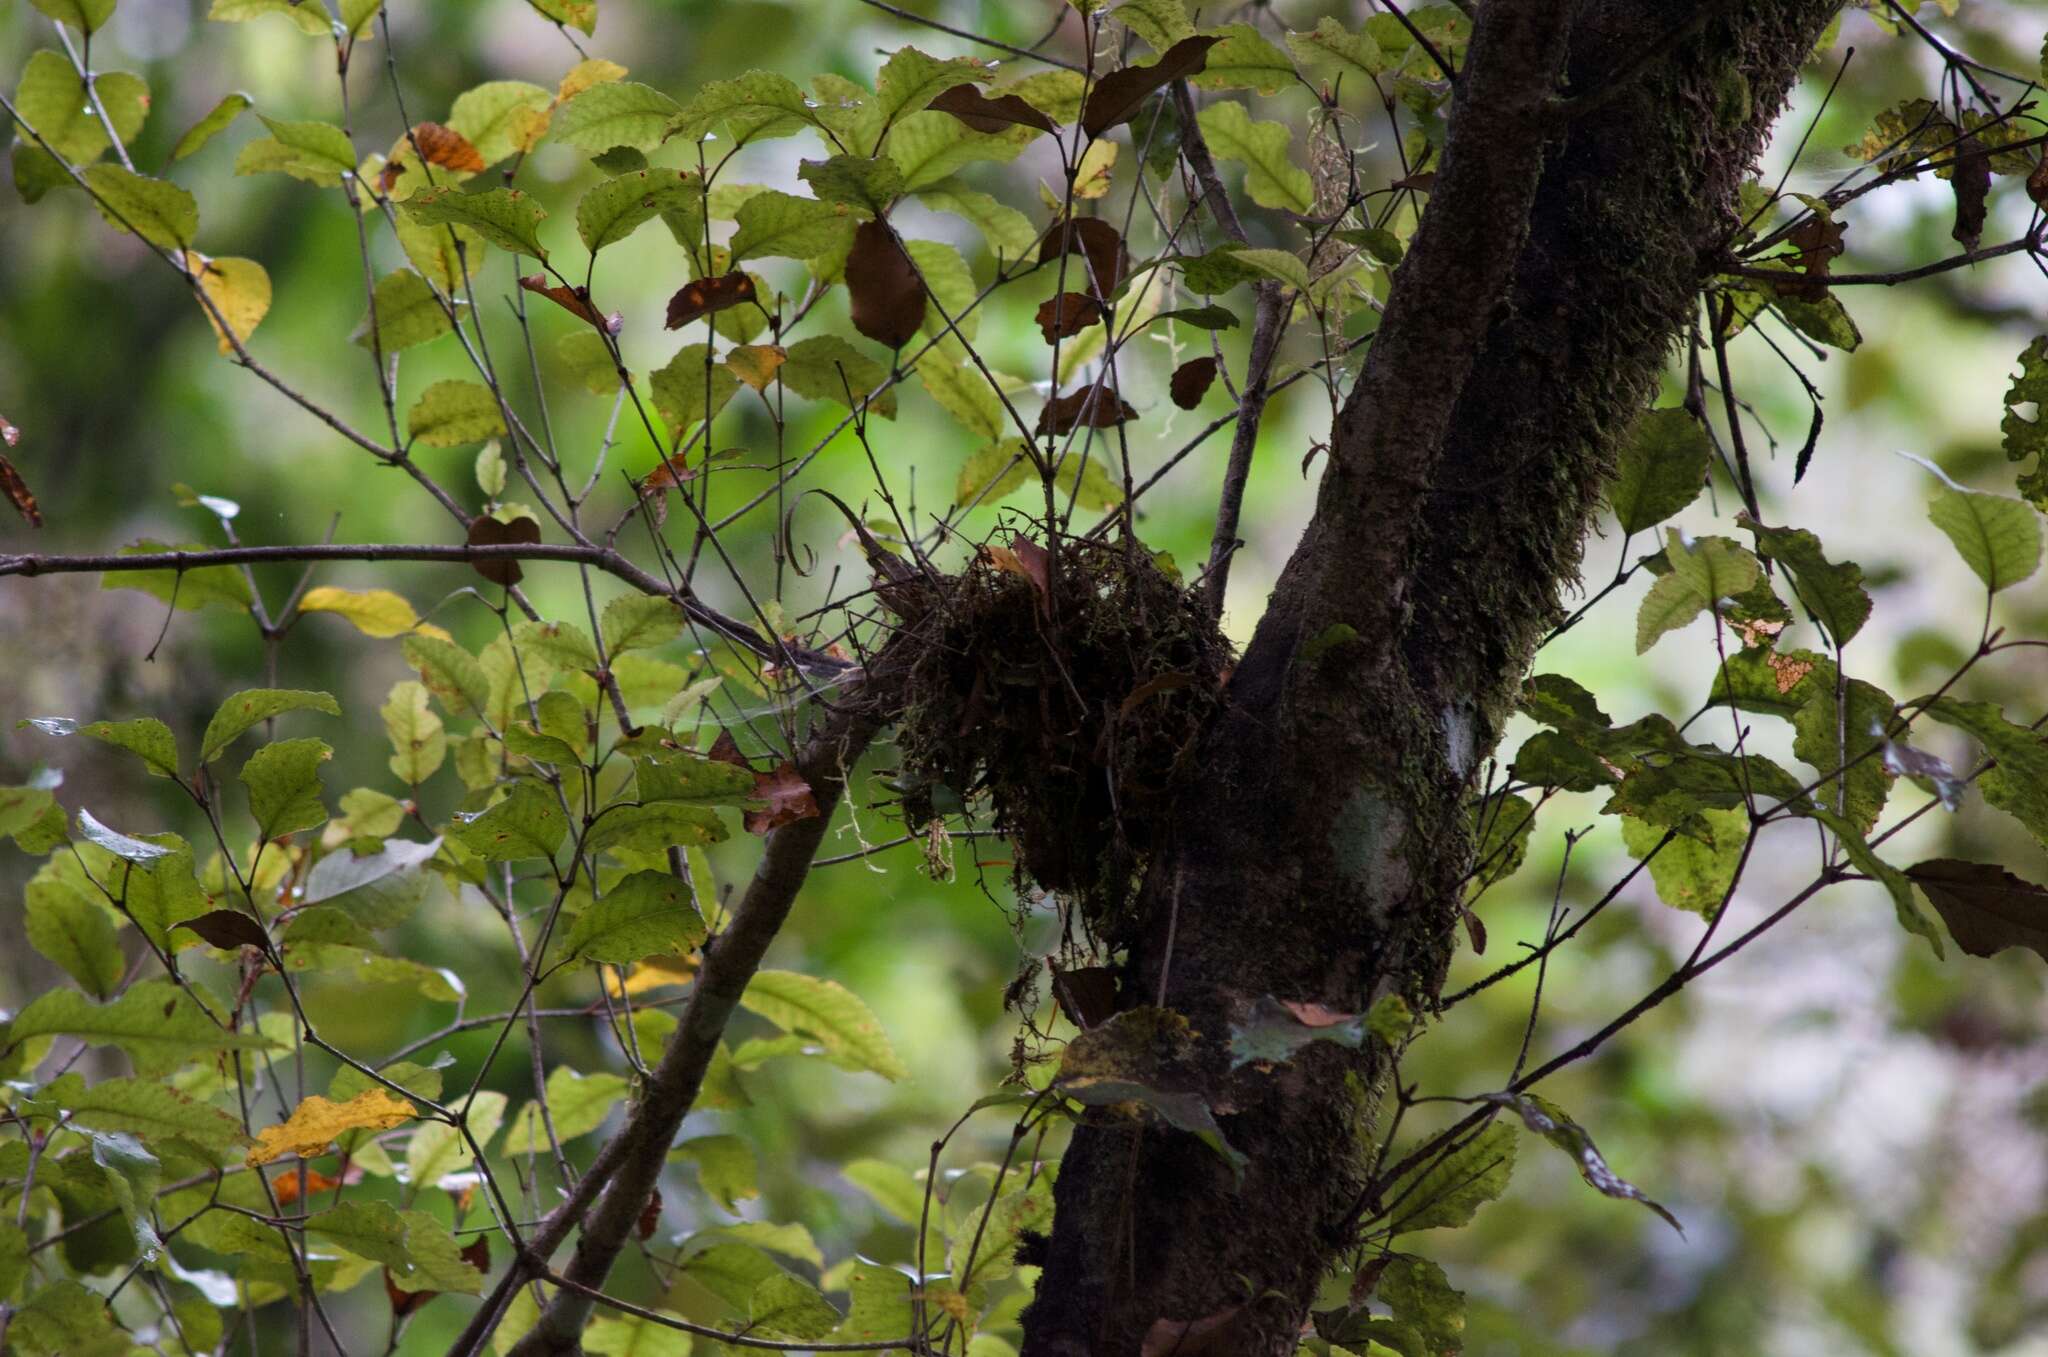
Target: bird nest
column 1071, row 692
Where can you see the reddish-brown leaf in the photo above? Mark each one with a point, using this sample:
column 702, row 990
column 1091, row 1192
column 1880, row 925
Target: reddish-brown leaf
column 387, row 178
column 448, row 148
column 286, row 1185
column 575, row 300
column 1987, row 909
column 1424, row 182
column 650, row 1216
column 1086, row 994
column 2037, row 189
column 984, row 114
column 229, row 929
column 404, row 1303
column 707, row 296
column 477, row 1253
column 1022, row 557
column 13, row 486
column 1211, row 1334
column 1191, row 382
column 725, row 749
column 1117, row 96
column 1098, row 243
column 788, row 798
column 1093, row 407
column 671, row 473
column 485, row 531
column 1067, row 314
column 1972, row 185
column 887, row 293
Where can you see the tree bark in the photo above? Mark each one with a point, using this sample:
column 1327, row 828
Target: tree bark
column 1322, row 853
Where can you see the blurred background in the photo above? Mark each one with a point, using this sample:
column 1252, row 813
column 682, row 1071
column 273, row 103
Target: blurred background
column 1854, row 1136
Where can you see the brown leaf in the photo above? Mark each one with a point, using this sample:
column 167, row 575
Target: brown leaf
column 1819, row 242
column 1987, row 909
column 1092, row 406
column 1153, row 687
column 1419, row 183
column 756, row 364
column 1022, row 557
column 448, row 148
column 485, row 531
column 575, row 300
column 1476, row 931
column 229, row 928
column 984, row 114
column 477, row 1253
column 725, row 749
column 671, row 473
column 1787, row 671
column 1067, row 314
column 1191, row 382
column 1215, row 1334
column 1086, row 994
column 13, row 486
column 285, row 1187
column 1315, row 1015
column 387, row 177
column 404, row 1303
column 707, row 296
column 887, row 293
column 1094, row 240
column 1117, row 96
column 788, row 799
column 650, row 1216
column 2037, row 189
column 1972, row 185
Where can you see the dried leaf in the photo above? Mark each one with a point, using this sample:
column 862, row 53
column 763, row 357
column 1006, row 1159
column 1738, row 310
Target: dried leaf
column 756, row 364
column 1211, row 1334
column 1094, row 407
column 788, row 797
column 1972, row 185
column 448, row 148
column 485, row 531
column 1987, row 909
column 1097, row 242
column 1022, row 557
column 2037, row 189
column 1191, row 382
column 315, row 1123
column 888, row 295
column 285, row 1187
column 1117, row 96
column 1067, row 314
column 1086, row 994
column 707, row 296
column 984, row 114
column 229, row 929
column 575, row 300
column 13, row 486
column 650, row 1217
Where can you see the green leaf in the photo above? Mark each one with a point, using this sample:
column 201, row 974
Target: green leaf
column 436, row 1258
column 450, row 673
column 1998, row 538
column 500, row 117
column 1501, row 825
column 1829, row 742
column 656, row 827
column 1276, row 264
column 1663, row 467
column 145, row 737
column 284, row 786
column 1825, row 321
column 784, row 1305
column 406, row 312
column 316, row 152
column 2019, row 784
column 827, row 367
column 1161, row 23
column 563, row 645
column 781, row 225
column 1895, row 882
column 253, row 707
column 157, row 1024
column 577, row 1104
column 155, row 209
column 52, row 98
column 1551, row 759
column 1352, row 57
column 506, row 217
column 1273, row 1032
column 1693, row 871
column 636, row 621
column 618, row 207
column 572, row 13
column 853, row 1039
column 627, row 1335
column 757, row 104
column 931, row 146
column 2026, row 437
column 451, row 413
column 992, row 472
column 1244, row 60
column 435, row 1149
column 854, row 181
column 190, row 589
column 447, row 256
column 1715, row 567
column 1451, row 1191
column 647, row 914
column 528, row 823
column 1088, row 481
column 368, row 1229
column 212, row 125
column 616, row 113
column 85, row 15
column 682, row 384
column 1009, row 233
column 75, row 933
column 909, row 80
column 1271, row 178
column 584, row 354
column 147, row 1108
column 1671, row 603
column 692, row 778
column 419, row 742
column 725, row 1168
column 962, row 391
column 1833, row 594
column 1987, row 909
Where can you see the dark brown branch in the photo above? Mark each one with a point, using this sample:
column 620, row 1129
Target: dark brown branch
column 2026, row 243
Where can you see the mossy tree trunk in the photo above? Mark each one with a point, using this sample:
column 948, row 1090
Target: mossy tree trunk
column 1587, row 188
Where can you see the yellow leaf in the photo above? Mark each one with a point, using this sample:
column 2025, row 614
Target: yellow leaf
column 755, row 364
column 529, row 125
column 652, row 974
column 238, row 288
column 375, row 612
column 596, row 71
column 315, row 1123
column 1091, row 176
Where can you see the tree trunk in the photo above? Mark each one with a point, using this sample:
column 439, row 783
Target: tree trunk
column 1587, row 188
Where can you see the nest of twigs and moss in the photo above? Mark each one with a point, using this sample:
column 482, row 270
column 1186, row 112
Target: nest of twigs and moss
column 1071, row 692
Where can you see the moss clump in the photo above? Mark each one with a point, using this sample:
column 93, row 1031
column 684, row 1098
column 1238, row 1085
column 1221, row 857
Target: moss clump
column 1071, row 695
